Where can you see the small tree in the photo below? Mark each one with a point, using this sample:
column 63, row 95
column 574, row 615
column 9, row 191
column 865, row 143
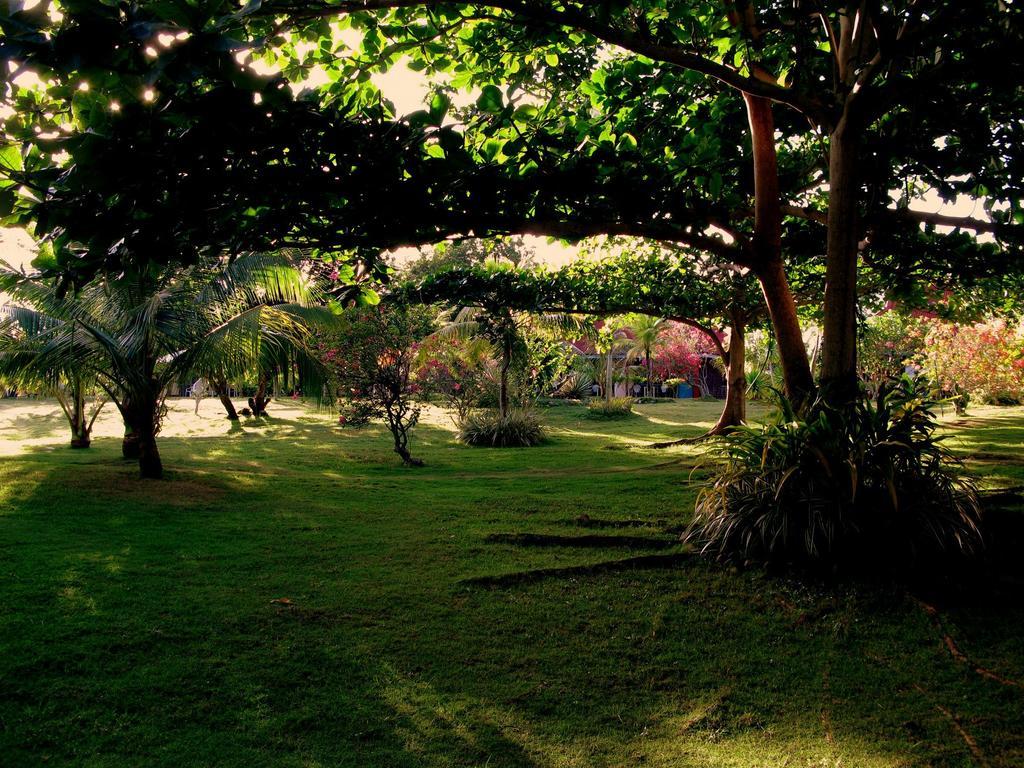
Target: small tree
column 371, row 360
column 139, row 335
column 461, row 373
column 22, row 331
column 648, row 337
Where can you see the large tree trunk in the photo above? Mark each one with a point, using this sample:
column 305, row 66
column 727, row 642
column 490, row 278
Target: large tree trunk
column 796, row 369
column 839, row 345
column 735, row 411
column 767, row 252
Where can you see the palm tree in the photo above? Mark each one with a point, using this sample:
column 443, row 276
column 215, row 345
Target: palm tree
column 139, row 335
column 647, row 333
column 607, row 340
column 71, row 387
column 504, row 329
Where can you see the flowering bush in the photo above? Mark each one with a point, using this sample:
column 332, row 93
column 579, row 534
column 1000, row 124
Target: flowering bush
column 461, row 373
column 888, row 343
column 985, row 359
column 680, row 354
column 370, row 361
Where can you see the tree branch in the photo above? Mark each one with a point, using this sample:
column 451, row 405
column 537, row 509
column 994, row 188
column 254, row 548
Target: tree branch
column 573, row 18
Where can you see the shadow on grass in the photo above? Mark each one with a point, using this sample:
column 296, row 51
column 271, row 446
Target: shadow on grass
column 143, row 626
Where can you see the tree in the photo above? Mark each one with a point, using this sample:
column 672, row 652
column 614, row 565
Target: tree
column 652, row 281
column 647, row 337
column 371, row 358
column 138, row 337
column 580, row 105
column 21, row 331
column 857, row 74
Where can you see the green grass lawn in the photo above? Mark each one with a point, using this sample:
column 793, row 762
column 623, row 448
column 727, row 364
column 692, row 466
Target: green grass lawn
column 291, row 596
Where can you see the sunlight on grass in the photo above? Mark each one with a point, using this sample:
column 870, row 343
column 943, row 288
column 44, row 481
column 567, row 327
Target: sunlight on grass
column 291, row 596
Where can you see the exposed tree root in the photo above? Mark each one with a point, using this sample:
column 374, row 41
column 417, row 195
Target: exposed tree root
column 586, row 521
column 714, row 432
column 587, row 540
column 954, row 650
column 720, row 429
column 1011, row 495
column 969, row 740
column 643, row 562
column 826, row 712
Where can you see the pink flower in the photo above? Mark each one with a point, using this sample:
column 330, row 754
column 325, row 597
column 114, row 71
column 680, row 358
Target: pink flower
column 458, row 387
column 334, row 275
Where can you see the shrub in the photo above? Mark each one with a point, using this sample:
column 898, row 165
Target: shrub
column 840, row 486
column 370, row 361
column 519, row 429
column 616, row 408
column 458, row 372
column 577, row 385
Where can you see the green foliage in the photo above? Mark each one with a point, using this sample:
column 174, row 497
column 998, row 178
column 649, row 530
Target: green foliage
column 137, row 336
column 613, row 408
column 488, row 429
column 651, row 281
column 577, row 385
column 467, row 254
column 865, row 486
column 887, row 343
column 371, row 358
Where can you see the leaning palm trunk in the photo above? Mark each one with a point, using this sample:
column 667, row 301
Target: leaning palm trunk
column 258, row 402
column 223, row 392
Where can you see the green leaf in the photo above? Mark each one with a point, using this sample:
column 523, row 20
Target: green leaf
column 551, row 59
column 368, row 297
column 439, row 106
column 491, row 99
